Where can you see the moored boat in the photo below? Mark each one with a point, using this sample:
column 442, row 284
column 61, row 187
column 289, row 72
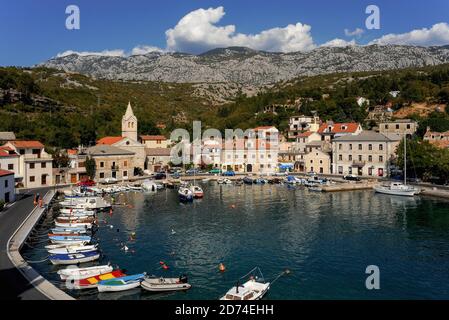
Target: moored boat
column 121, row 284
column 185, row 194
column 161, row 284
column 72, row 249
column 74, row 258
column 197, row 191
column 92, row 281
column 253, row 289
column 83, row 273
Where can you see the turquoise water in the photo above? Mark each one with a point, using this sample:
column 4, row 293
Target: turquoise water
column 326, row 240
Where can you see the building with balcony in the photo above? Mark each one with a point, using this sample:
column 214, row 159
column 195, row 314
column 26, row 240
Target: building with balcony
column 366, row 154
column 35, row 167
column 331, row 130
column 300, row 124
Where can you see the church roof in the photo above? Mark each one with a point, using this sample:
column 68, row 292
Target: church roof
column 109, row 140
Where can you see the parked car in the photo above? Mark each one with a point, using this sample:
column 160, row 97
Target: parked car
column 228, row 173
column 160, row 176
column 192, row 172
column 351, row 177
column 215, row 171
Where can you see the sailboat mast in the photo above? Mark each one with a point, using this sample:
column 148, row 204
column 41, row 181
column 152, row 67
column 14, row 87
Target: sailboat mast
column 405, row 159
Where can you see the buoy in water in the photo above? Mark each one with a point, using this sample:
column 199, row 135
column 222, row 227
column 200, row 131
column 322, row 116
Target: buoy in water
column 125, row 248
column 110, row 212
column 221, row 267
column 232, row 206
column 165, row 267
column 161, row 263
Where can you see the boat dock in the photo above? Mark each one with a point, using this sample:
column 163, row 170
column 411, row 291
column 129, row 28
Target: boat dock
column 349, row 186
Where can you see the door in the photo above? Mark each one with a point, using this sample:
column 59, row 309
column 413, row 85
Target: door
column 114, row 174
column 249, row 168
column 44, row 179
column 73, row 178
column 381, row 172
column 7, row 197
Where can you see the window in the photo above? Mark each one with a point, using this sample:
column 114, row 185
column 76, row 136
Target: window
column 381, row 159
column 32, row 178
column 360, row 146
column 350, row 146
column 397, row 126
column 158, row 141
column 350, row 157
column 370, row 147
column 101, row 175
column 102, row 164
column 22, row 151
column 43, row 165
column 125, row 163
column 6, row 184
column 386, row 126
column 10, row 166
column 370, row 171
column 360, row 157
column 125, row 173
column 340, row 146
column 340, row 170
column 321, row 170
column 408, row 126
column 31, row 165
column 340, row 157
column 381, row 147
column 370, row 158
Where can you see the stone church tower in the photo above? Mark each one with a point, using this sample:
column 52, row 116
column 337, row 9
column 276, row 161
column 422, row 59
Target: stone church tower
column 129, row 124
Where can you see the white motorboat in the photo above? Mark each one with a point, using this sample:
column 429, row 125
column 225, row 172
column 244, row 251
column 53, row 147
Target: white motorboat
column 86, row 225
column 149, row 186
column 254, row 289
column 72, row 218
column 197, row 191
column 86, row 203
column 72, row 249
column 74, row 273
column 134, row 187
column 397, row 188
column 224, row 181
column 205, row 180
column 69, row 211
column 185, row 194
column 161, row 284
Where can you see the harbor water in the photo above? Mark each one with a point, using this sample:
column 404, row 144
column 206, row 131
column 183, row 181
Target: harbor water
column 325, row 240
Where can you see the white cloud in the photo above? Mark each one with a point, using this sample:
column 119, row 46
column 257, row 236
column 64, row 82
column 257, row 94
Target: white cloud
column 197, row 32
column 339, row 43
column 356, row 33
column 108, row 53
column 142, row 49
column 437, row 35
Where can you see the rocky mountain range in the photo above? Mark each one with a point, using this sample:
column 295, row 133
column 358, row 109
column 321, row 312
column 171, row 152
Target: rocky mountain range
column 248, row 67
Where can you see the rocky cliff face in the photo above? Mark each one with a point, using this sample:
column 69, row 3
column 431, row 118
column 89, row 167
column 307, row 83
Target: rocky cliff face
column 249, row 67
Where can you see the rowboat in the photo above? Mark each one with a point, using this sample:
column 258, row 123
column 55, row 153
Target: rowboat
column 83, row 273
column 197, row 191
column 185, row 194
column 72, row 249
column 70, row 240
column 76, row 211
column 73, row 225
column 75, row 220
column 74, row 258
column 121, row 284
column 92, row 282
column 63, row 245
column 155, row 284
column 69, row 230
column 254, row 289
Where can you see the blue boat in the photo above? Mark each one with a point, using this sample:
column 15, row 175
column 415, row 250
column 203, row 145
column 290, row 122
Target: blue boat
column 70, row 238
column 248, row 180
column 121, row 284
column 74, row 258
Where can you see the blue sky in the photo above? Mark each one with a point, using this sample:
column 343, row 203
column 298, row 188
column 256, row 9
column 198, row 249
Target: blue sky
column 33, row 31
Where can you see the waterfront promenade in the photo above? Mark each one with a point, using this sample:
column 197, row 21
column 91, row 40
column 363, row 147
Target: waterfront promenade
column 15, row 224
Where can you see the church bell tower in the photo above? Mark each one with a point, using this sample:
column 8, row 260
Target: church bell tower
column 129, row 124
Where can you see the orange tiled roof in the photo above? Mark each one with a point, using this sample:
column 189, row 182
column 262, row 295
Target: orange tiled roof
column 153, row 138
column 5, row 152
column 27, row 144
column 305, row 134
column 350, row 127
column 5, row 173
column 72, row 152
column 109, row 140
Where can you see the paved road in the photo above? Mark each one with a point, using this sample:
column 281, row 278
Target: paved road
column 13, row 285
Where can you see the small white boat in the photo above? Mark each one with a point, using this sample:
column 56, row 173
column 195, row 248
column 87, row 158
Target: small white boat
column 86, row 225
column 70, row 211
column 82, row 273
column 121, row 284
column 86, row 203
column 253, row 289
column 224, row 181
column 205, row 180
column 197, row 191
column 185, row 194
column 149, row 186
column 134, row 187
column 155, row 284
column 397, row 189
column 72, row 249
column 72, row 218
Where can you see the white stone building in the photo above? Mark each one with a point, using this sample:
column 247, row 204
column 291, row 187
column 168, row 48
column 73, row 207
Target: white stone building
column 7, row 193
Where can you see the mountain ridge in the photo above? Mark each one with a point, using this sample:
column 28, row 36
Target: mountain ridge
column 249, row 67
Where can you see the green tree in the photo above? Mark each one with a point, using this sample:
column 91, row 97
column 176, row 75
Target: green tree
column 91, row 167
